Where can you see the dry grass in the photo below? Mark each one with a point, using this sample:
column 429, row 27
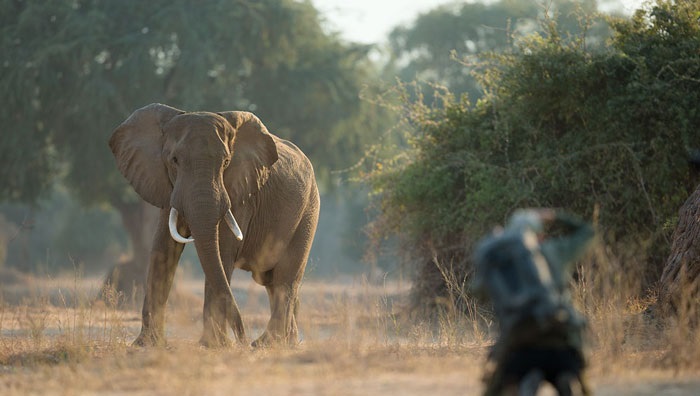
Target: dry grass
column 54, row 340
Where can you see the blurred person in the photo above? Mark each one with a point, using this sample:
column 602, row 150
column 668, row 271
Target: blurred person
column 524, row 270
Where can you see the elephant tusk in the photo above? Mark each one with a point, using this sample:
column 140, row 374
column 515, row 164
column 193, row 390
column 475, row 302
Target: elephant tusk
column 172, row 225
column 233, row 225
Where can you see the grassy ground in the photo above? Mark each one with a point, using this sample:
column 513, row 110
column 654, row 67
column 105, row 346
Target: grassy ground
column 54, row 340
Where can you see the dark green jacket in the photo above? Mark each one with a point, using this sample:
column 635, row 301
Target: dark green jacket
column 527, row 280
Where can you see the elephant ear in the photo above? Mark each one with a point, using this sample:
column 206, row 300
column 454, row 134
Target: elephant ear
column 137, row 145
column 254, row 152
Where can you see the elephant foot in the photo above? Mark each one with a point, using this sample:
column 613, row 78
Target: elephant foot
column 148, row 339
column 215, row 335
column 262, row 342
column 266, row 340
column 212, row 341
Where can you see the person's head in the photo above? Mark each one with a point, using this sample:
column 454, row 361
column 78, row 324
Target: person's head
column 525, row 219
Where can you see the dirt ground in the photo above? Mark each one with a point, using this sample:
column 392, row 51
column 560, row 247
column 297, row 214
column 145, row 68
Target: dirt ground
column 55, row 341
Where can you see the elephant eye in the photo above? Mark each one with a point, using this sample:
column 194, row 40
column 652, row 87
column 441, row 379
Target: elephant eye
column 174, row 160
column 226, row 162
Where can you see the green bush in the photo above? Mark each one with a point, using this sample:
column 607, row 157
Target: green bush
column 605, row 132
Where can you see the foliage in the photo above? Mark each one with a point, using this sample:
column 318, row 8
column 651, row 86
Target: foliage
column 594, row 132
column 54, row 239
column 442, row 46
column 73, row 70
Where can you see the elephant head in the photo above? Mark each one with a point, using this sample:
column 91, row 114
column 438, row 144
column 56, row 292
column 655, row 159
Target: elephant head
column 194, row 164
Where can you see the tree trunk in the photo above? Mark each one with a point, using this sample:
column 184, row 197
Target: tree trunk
column 125, row 282
column 679, row 287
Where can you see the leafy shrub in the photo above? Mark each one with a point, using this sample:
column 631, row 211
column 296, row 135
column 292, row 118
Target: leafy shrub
column 605, row 132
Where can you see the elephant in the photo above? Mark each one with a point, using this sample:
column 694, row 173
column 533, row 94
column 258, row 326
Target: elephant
column 201, row 168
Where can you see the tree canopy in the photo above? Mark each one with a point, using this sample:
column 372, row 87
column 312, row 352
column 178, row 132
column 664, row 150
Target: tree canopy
column 442, row 45
column 72, row 70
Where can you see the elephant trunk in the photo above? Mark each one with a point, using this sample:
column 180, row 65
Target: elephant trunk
column 203, row 211
column 205, row 208
column 203, row 216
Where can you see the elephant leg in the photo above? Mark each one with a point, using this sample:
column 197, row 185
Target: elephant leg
column 283, row 283
column 214, row 317
column 294, row 332
column 220, row 311
column 165, row 255
column 214, row 320
column 282, row 324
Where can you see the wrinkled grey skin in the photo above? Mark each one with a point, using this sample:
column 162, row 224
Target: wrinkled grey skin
column 203, row 164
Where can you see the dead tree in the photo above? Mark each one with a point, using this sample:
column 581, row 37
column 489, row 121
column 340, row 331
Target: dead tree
column 679, row 286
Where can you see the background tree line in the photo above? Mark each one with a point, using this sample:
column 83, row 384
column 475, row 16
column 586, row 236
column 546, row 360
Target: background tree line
column 73, row 70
